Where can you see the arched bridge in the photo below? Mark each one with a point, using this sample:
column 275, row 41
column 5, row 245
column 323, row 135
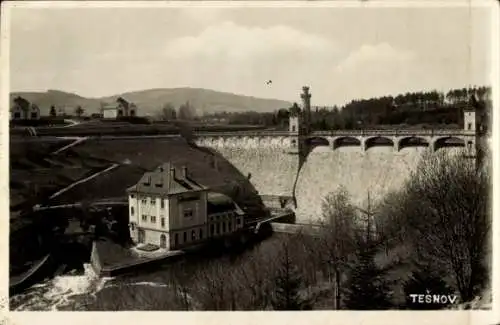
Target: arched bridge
column 365, row 139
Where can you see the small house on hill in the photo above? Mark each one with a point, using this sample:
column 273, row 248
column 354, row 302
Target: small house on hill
column 121, row 108
column 171, row 210
column 22, row 109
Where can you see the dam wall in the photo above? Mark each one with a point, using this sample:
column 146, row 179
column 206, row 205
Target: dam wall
column 367, row 176
column 270, row 171
column 270, row 168
column 366, row 173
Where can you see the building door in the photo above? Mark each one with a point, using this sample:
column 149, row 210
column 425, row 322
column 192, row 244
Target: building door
column 163, row 241
column 141, row 236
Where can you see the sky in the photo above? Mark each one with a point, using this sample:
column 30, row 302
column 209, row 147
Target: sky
column 341, row 53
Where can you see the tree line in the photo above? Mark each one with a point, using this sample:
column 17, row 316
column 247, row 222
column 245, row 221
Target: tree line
column 415, row 108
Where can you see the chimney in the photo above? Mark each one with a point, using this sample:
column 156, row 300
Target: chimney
column 172, row 172
column 184, row 172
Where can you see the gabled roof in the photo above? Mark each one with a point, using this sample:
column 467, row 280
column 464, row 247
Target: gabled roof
column 167, row 179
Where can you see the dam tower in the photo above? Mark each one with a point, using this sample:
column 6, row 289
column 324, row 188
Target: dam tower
column 295, row 129
column 300, row 123
column 474, row 130
column 306, row 109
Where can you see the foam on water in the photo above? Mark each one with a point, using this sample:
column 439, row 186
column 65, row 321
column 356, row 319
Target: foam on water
column 59, row 291
column 374, row 172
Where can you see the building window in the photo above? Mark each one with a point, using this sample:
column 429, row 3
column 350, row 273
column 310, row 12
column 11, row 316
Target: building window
column 223, row 227
column 153, row 201
column 176, row 239
column 144, row 201
column 293, row 128
column 469, row 126
column 17, row 115
column 33, row 115
column 153, row 219
column 132, row 211
column 132, row 196
column 188, row 213
column 144, row 218
column 201, row 233
column 229, row 226
column 185, row 237
column 193, row 235
column 132, row 226
column 217, row 229
column 211, row 229
column 163, row 222
column 162, row 203
column 238, row 221
column 294, row 143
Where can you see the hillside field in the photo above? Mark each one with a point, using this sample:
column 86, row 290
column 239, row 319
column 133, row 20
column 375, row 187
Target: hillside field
column 150, row 102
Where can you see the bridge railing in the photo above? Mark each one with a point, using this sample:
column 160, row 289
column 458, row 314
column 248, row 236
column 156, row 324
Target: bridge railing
column 362, row 132
column 242, row 133
column 398, row 132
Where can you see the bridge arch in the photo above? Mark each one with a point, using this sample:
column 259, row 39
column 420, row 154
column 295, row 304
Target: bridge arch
column 313, row 142
column 346, row 141
column 412, row 141
column 378, row 141
column 449, row 141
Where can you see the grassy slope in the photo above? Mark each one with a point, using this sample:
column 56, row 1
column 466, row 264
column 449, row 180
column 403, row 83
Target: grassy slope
column 138, row 155
column 150, row 101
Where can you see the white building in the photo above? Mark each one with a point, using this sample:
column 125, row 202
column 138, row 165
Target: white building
column 169, row 209
column 122, row 108
column 110, row 112
column 24, row 110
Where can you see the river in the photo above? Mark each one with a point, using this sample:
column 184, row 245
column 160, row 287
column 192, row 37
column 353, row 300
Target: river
column 86, row 291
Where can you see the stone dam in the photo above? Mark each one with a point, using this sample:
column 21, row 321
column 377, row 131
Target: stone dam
column 368, row 174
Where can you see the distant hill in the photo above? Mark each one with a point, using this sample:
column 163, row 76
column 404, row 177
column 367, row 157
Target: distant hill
column 152, row 100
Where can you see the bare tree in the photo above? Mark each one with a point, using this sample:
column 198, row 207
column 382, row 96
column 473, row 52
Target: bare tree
column 338, row 236
column 168, row 112
column 53, row 112
column 445, row 214
column 79, row 111
column 187, row 112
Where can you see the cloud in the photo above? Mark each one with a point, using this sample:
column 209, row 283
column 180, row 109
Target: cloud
column 372, row 56
column 375, row 70
column 240, row 58
column 235, row 42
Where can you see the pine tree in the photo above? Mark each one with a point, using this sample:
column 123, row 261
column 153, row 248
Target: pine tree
column 288, row 283
column 422, row 282
column 366, row 289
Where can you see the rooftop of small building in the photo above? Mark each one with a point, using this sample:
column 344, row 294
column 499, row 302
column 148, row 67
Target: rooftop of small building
column 109, row 107
column 167, row 179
